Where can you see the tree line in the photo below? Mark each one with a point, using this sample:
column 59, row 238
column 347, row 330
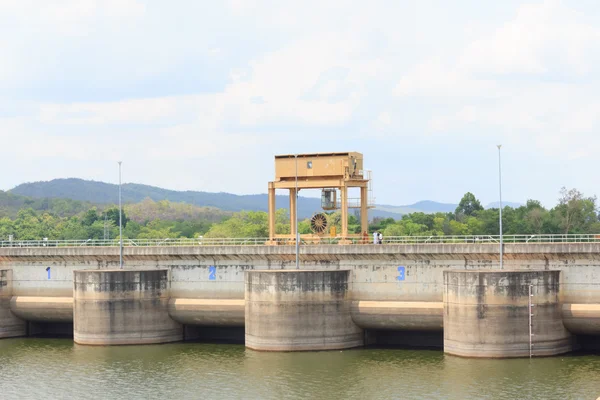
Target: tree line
column 574, row 214
column 145, row 220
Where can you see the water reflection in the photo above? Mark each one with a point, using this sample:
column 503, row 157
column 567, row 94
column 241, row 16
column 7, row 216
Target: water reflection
column 58, row 368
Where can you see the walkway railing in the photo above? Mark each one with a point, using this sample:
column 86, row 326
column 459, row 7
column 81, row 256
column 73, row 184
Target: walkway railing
column 261, row 241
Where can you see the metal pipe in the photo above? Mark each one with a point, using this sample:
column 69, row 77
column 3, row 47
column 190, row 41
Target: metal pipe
column 296, row 215
column 120, row 222
column 500, row 185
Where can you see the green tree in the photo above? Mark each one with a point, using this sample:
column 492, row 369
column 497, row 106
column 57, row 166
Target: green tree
column 490, row 221
column 379, row 224
column 422, row 219
column 394, row 230
column 458, row 228
column 282, row 222
column 89, row 217
column 6, row 228
column 468, row 205
column 475, row 226
column 242, row 224
column 27, row 225
column 131, row 231
column 304, row 227
column 441, row 225
column 71, row 229
column 112, row 214
column 156, row 230
column 576, row 213
column 411, row 228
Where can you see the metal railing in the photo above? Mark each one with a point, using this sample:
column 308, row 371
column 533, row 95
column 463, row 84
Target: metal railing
column 391, row 240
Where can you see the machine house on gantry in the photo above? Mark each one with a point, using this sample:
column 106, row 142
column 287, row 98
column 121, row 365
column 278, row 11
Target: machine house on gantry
column 335, row 174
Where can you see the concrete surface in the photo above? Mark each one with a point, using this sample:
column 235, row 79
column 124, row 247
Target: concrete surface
column 398, row 315
column 582, row 319
column 42, row 309
column 208, row 312
column 114, row 307
column 458, row 251
column 10, row 325
column 486, row 314
column 299, row 311
column 391, row 287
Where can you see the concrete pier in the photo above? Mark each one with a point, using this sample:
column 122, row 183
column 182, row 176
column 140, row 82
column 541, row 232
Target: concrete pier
column 395, row 292
column 295, row 310
column 486, row 314
column 115, row 307
column 10, row 325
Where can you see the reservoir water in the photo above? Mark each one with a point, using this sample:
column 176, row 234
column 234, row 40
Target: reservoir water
column 60, row 369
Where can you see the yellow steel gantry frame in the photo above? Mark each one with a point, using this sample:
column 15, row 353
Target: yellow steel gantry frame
column 319, row 171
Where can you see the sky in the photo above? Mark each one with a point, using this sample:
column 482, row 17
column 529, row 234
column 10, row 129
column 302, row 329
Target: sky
column 200, row 95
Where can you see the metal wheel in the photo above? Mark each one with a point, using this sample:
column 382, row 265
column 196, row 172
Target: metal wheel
column 318, row 223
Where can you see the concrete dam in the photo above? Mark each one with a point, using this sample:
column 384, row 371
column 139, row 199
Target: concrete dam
column 545, row 301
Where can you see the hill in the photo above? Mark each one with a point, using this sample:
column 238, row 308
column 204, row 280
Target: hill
column 106, row 193
column 425, row 206
column 11, row 203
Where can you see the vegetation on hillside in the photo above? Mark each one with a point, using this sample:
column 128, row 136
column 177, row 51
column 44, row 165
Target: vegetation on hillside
column 574, row 213
column 101, row 194
column 11, row 203
column 145, row 220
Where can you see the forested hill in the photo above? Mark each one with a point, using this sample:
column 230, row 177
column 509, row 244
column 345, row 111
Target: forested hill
column 106, row 193
column 11, row 203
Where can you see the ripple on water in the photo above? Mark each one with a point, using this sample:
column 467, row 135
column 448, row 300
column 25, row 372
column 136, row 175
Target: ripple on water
column 58, row 368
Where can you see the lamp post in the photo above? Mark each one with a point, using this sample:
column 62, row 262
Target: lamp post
column 500, row 186
column 120, row 223
column 296, row 214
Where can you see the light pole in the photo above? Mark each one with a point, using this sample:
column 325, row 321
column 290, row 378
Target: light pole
column 500, row 186
column 296, row 214
column 120, row 223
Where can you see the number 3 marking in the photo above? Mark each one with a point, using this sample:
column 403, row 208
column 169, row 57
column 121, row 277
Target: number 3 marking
column 401, row 274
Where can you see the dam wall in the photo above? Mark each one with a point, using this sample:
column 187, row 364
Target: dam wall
column 390, row 287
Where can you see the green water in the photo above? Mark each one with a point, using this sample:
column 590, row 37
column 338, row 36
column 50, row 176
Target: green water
column 60, row 369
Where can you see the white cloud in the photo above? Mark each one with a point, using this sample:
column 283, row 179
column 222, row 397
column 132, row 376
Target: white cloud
column 284, row 78
column 137, row 111
column 66, row 16
column 543, row 38
column 437, row 78
column 525, row 81
column 173, row 88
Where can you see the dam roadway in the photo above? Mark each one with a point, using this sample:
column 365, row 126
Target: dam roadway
column 394, row 287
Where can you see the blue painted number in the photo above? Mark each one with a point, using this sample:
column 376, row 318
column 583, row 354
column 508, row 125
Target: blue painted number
column 401, row 274
column 212, row 273
column 48, row 271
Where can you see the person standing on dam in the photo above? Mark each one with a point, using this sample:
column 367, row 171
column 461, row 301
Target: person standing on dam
column 375, row 237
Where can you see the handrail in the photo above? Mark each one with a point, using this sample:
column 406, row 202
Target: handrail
column 257, row 241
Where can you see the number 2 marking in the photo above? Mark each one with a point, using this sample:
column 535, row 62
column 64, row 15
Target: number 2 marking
column 212, row 273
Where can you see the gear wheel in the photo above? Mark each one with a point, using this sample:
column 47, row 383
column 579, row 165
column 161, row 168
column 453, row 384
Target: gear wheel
column 318, row 223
